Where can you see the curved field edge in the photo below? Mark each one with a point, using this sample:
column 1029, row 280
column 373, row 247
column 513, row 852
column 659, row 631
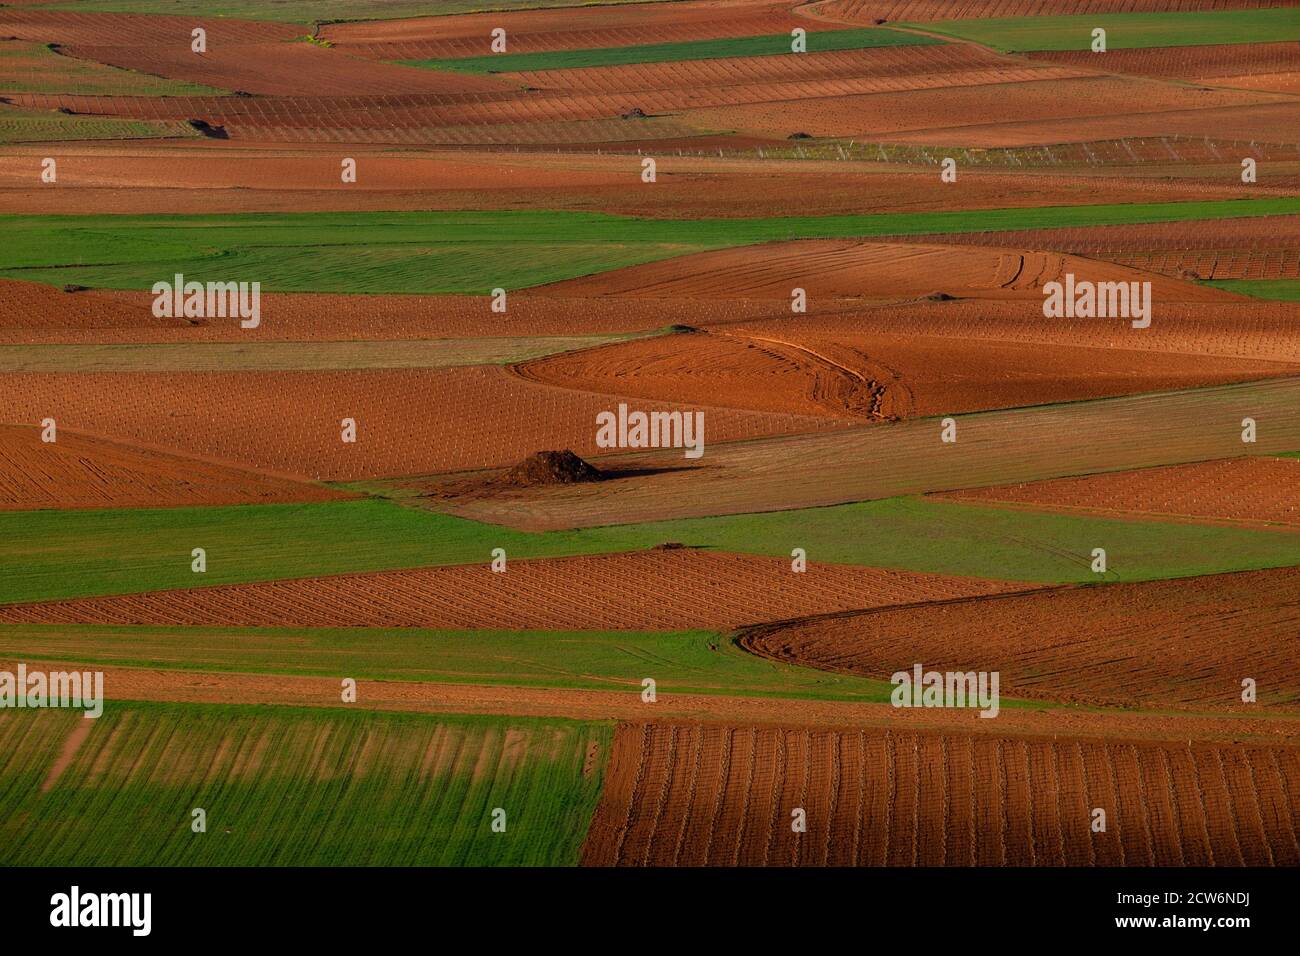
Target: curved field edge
column 48, row 555
column 682, row 662
column 472, row 252
column 283, row 786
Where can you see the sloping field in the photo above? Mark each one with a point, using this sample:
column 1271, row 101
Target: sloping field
column 288, row 356
column 1184, row 644
column 1244, row 329
column 82, row 471
column 868, row 270
column 253, row 57
column 194, row 177
column 287, row 787
column 618, row 591
column 723, row 796
column 39, row 126
column 778, row 44
column 908, row 458
column 1256, row 66
column 1263, row 489
column 1125, row 31
column 855, row 11
column 408, row 421
column 425, row 37
column 1017, row 110
column 888, row 69
column 695, row 663
column 472, row 252
column 878, row 377
column 33, row 68
column 33, row 313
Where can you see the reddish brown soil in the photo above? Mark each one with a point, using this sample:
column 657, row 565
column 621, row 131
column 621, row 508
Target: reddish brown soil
column 1020, row 109
column 82, row 471
column 1254, row 330
column 692, row 795
column 1257, row 66
column 1249, row 490
column 868, row 11
column 594, row 26
column 409, row 421
column 215, row 176
column 32, row 313
column 608, row 592
column 867, row 270
column 255, row 57
column 1181, row 644
column 907, row 458
column 877, row 377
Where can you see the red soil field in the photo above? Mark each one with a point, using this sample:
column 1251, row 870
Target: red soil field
column 1251, row 490
column 1018, row 111
column 875, row 377
column 595, row 26
column 255, row 57
column 868, row 270
column 695, row 795
column 32, row 313
column 1026, row 444
column 215, row 176
column 1256, row 66
column 1179, row 644
column 83, row 471
column 409, row 421
column 1252, row 330
column 607, row 592
column 868, row 11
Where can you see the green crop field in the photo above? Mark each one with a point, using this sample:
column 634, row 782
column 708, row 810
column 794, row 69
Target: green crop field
column 1126, row 31
column 692, row 662
column 1278, row 290
column 289, row 786
column 46, row 555
column 472, row 252
column 821, row 41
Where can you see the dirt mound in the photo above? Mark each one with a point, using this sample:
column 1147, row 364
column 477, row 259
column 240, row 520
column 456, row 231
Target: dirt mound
column 550, row 468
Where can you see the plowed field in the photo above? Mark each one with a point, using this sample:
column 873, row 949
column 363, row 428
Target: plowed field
column 1252, row 490
column 408, row 421
column 618, row 591
column 723, row 796
column 1184, row 644
column 82, row 471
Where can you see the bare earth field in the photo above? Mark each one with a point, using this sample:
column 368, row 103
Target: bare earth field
column 83, row 471
column 617, row 591
column 1183, row 644
column 909, row 458
column 692, row 795
column 1250, row 490
column 291, row 421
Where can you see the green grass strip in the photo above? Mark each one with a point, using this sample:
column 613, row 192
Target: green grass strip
column 820, row 41
column 1125, row 31
column 472, row 252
